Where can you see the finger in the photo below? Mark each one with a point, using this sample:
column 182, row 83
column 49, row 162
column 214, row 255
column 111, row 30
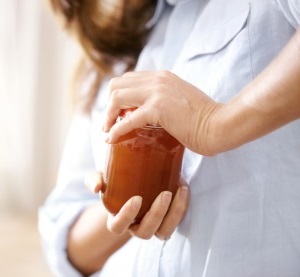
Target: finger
column 175, row 214
column 120, row 223
column 94, row 181
column 139, row 118
column 124, row 98
column 129, row 91
column 153, row 218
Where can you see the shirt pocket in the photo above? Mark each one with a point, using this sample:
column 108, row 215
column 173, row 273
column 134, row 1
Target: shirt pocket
column 210, row 35
column 216, row 55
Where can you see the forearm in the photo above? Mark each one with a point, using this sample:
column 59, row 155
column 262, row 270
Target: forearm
column 90, row 243
column 269, row 102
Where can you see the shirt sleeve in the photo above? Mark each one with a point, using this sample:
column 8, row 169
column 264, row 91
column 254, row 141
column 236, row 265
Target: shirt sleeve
column 291, row 10
column 69, row 198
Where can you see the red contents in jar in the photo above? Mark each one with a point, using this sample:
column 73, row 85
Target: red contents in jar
column 144, row 162
column 126, row 112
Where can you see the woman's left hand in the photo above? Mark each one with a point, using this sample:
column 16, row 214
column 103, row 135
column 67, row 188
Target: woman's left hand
column 161, row 220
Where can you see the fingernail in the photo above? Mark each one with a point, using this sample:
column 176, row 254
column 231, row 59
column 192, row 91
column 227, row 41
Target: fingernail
column 183, row 193
column 136, row 202
column 166, row 198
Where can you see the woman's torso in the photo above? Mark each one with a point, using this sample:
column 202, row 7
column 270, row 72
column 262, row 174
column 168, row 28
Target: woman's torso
column 244, row 215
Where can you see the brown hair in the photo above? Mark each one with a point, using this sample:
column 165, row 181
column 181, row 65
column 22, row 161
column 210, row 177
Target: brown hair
column 109, row 31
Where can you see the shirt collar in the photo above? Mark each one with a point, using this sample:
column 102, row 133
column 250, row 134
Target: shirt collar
column 157, row 13
column 173, row 2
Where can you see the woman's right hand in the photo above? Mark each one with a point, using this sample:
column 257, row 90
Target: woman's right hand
column 161, row 220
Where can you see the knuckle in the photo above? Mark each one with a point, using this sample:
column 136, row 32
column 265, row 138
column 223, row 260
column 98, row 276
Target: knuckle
column 157, row 213
column 113, row 228
column 114, row 94
column 127, row 74
column 112, row 83
column 155, row 105
column 128, row 119
column 116, row 224
column 159, row 82
column 161, row 78
column 165, row 73
column 156, row 101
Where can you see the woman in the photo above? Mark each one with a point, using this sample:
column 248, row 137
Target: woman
column 112, row 43
column 243, row 218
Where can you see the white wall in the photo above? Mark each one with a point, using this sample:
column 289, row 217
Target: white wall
column 36, row 62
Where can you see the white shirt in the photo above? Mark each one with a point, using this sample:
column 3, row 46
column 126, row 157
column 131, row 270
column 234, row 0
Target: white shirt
column 244, row 214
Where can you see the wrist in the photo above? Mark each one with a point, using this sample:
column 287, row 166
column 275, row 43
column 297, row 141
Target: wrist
column 210, row 129
column 90, row 243
column 236, row 123
column 215, row 130
column 229, row 126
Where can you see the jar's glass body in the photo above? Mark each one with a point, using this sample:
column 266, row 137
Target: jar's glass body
column 144, row 162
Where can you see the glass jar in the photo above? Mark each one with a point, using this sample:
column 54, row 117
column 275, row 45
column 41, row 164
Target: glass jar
column 144, row 162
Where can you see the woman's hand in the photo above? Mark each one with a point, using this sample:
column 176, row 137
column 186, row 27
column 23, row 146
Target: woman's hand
column 270, row 101
column 162, row 98
column 161, row 220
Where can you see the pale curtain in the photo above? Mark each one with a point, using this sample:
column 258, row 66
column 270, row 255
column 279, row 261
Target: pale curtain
column 36, row 61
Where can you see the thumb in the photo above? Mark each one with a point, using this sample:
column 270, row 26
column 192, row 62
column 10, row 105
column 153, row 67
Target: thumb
column 94, row 182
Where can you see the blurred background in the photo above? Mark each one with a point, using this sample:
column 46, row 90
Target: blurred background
column 36, row 63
